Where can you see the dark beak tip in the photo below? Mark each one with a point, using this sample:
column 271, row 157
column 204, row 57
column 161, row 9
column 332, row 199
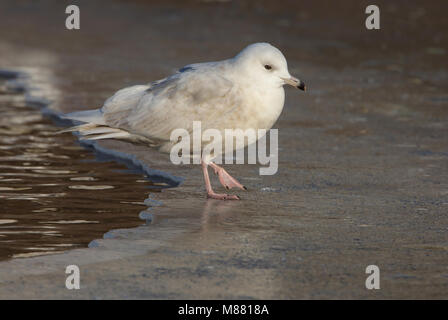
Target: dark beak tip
column 302, row 86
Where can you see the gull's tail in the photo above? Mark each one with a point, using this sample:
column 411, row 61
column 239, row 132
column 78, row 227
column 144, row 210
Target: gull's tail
column 90, row 116
column 94, row 127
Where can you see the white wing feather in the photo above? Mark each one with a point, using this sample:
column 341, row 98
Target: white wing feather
column 197, row 93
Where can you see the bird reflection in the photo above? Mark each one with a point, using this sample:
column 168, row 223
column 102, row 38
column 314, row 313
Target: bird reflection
column 217, row 212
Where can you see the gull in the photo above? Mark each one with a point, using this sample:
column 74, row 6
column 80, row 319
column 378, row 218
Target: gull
column 244, row 92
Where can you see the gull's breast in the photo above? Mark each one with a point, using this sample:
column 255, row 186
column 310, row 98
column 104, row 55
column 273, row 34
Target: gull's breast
column 256, row 110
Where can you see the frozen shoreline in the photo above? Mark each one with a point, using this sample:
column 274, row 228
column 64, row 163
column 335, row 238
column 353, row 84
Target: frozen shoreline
column 362, row 160
column 19, row 82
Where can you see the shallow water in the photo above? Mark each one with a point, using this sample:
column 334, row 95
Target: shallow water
column 362, row 154
column 55, row 194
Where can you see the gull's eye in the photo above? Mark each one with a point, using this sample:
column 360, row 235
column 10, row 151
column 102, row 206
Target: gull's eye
column 267, row 67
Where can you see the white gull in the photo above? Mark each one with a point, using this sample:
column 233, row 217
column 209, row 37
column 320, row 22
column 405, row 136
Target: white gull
column 244, row 92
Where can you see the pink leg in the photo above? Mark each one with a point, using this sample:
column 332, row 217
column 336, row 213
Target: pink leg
column 225, row 178
column 210, row 192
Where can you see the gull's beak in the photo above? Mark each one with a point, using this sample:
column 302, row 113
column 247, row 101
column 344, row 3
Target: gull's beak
column 299, row 84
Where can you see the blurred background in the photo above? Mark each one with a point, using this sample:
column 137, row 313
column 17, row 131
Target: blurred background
column 363, row 161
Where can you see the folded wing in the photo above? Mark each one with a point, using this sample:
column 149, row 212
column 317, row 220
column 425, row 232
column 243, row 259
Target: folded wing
column 196, row 93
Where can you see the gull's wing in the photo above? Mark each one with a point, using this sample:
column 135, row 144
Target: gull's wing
column 198, row 92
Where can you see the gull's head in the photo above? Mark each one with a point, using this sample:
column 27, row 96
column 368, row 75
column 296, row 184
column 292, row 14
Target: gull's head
column 264, row 63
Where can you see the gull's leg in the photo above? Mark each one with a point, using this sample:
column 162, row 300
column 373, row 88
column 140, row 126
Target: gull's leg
column 225, row 178
column 208, row 187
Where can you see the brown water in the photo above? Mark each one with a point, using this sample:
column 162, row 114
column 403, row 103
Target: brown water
column 54, row 194
column 363, row 170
